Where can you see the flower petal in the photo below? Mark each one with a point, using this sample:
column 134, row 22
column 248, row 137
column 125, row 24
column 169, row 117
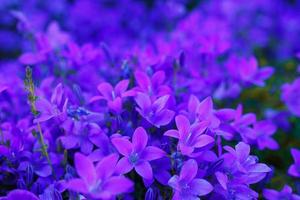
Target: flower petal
column 21, row 194
column 32, row 58
column 115, row 105
column 242, row 151
column 106, row 167
column 204, row 140
column 296, row 155
column 44, row 106
column 193, row 104
column 200, row 187
column 185, row 149
column 43, row 170
column 163, row 118
column 144, row 169
column 86, row 146
column 172, row 133
column 142, row 80
column 160, row 103
column 293, row 170
column 152, row 153
column 174, row 182
column 123, row 146
column 205, row 107
column 77, row 185
column 139, row 139
column 121, row 87
column 57, row 94
column 183, row 126
column 259, row 168
column 123, row 166
column 189, row 170
column 117, row 185
column 69, row 142
column 270, row 194
column 106, row 90
column 143, row 101
column 158, row 78
column 222, row 179
column 85, row 168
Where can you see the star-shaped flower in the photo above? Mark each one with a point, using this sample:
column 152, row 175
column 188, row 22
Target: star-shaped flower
column 190, row 136
column 98, row 182
column 137, row 154
column 186, row 186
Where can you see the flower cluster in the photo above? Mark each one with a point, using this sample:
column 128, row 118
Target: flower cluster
column 147, row 99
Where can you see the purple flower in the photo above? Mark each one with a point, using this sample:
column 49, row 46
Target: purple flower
column 98, row 181
column 37, row 162
column 186, row 186
column 285, row 193
column 43, row 50
column 238, row 171
column 290, row 96
column 79, row 56
column 114, row 96
column 84, row 135
column 280, row 118
column 242, row 123
column 190, row 136
column 55, row 108
column 294, row 169
column 234, row 191
column 264, row 130
column 153, row 86
column 203, row 111
column 155, row 112
column 20, row 194
column 241, row 159
column 214, row 44
column 56, row 37
column 246, row 70
column 137, row 154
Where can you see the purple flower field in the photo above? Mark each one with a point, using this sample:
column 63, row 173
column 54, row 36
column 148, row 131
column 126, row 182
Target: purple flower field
column 149, row 99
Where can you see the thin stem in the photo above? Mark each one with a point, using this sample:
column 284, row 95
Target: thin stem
column 29, row 85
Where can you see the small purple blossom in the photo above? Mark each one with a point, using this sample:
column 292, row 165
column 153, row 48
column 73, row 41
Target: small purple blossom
column 190, row 136
column 155, row 112
column 202, row 111
column 114, row 96
column 98, row 181
column 20, row 194
column 290, row 96
column 153, row 86
column 84, row 135
column 285, row 193
column 264, row 130
column 238, row 171
column 186, row 185
column 137, row 154
column 246, row 70
column 56, row 108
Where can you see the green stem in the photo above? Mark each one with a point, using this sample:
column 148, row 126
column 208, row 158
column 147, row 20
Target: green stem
column 32, row 98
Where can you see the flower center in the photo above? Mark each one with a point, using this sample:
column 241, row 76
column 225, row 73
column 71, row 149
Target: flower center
column 133, row 158
column 188, row 138
column 113, row 94
column 56, row 111
column 96, row 187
